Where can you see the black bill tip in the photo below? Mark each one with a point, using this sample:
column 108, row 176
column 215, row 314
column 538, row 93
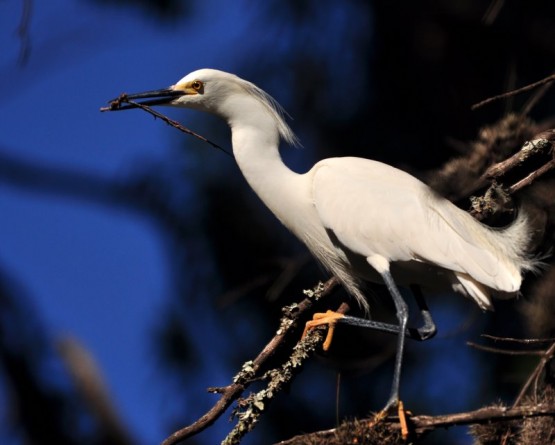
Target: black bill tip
column 156, row 97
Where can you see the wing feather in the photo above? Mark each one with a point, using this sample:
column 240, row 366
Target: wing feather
column 376, row 209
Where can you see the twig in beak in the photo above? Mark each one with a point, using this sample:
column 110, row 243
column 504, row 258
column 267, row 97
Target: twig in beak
column 115, row 104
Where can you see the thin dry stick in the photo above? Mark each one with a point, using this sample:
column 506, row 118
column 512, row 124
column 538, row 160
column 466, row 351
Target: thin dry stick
column 548, row 355
column 525, row 341
column 532, row 101
column 482, row 415
column 529, row 87
column 524, row 182
column 115, row 105
column 545, row 355
column 504, row 351
column 175, row 124
column 232, row 392
column 532, row 379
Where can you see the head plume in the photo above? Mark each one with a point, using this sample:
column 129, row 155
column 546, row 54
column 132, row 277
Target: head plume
column 275, row 110
column 233, row 84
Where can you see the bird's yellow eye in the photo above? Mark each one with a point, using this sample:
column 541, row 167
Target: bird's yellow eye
column 197, row 85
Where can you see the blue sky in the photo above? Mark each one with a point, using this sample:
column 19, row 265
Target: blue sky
column 94, row 272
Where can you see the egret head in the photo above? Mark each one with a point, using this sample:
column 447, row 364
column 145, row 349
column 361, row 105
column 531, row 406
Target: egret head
column 220, row 93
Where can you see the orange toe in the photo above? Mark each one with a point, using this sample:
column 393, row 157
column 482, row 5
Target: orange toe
column 403, row 420
column 328, row 318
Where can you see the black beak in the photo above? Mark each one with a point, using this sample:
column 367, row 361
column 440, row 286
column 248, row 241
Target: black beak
column 160, row 97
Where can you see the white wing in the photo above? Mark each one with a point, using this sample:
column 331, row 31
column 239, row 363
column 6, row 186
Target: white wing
column 377, row 210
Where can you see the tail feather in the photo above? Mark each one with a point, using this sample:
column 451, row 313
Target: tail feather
column 471, row 288
column 512, row 243
column 515, row 242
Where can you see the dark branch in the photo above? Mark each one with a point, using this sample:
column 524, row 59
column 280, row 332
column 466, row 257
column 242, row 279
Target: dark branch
column 354, row 432
column 529, row 87
column 535, row 375
column 497, row 197
column 503, row 351
column 526, row 341
column 541, row 144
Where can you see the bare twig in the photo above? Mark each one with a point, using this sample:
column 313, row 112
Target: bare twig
column 176, row 124
column 241, row 381
column 531, row 178
column 504, row 351
column 546, row 355
column 114, row 105
column 481, row 415
column 534, row 376
column 525, row 341
column 533, row 379
column 529, row 87
column 532, row 101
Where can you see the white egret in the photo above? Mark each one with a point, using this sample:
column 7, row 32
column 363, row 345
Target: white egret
column 363, row 220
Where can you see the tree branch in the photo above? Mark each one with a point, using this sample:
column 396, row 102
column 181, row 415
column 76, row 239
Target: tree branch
column 249, row 370
column 541, row 144
column 388, row 431
column 255, row 404
column 497, row 196
column 355, row 432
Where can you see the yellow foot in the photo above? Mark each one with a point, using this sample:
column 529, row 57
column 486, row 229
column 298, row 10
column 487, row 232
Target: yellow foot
column 379, row 417
column 328, row 318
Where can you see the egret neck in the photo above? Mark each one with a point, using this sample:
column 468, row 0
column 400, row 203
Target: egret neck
column 255, row 139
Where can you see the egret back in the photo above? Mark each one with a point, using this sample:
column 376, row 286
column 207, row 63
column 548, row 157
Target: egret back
column 377, row 211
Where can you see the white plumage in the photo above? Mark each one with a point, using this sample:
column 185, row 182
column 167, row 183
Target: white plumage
column 363, row 220
column 387, row 216
column 359, row 216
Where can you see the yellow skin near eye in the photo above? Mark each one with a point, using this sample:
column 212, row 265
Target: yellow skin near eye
column 192, row 87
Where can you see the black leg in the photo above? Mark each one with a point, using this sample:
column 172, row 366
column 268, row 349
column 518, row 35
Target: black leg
column 425, row 332
column 402, row 317
column 428, row 330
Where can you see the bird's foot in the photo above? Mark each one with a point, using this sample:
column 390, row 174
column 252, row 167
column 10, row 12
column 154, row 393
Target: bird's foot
column 382, row 415
column 328, row 318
